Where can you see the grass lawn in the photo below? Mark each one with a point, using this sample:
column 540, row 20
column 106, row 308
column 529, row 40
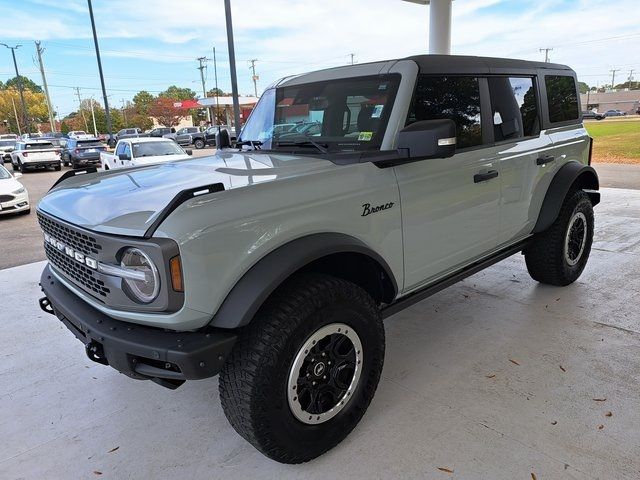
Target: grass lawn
column 615, row 141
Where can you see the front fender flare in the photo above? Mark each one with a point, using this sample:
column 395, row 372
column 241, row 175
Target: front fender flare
column 261, row 280
column 570, row 174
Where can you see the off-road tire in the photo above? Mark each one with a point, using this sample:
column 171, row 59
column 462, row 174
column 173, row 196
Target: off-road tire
column 254, row 381
column 545, row 257
column 57, row 168
column 199, row 144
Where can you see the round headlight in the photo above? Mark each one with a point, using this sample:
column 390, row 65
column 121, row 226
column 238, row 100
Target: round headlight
column 144, row 291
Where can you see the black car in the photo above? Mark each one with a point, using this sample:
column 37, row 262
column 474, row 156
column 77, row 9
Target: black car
column 82, row 152
column 185, row 136
column 591, row 115
column 159, row 132
column 128, row 133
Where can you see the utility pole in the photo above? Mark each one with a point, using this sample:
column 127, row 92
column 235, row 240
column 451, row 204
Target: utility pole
column 124, row 112
column 254, row 77
column 631, row 77
column 352, row 55
column 215, row 73
column 203, row 61
column 86, row 125
column 104, row 90
column 15, row 113
column 93, row 116
column 232, row 66
column 25, row 118
column 613, row 77
column 52, row 121
column 546, row 53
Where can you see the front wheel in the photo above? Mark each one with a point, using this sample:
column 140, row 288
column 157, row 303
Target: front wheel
column 199, row 144
column 558, row 255
column 304, row 371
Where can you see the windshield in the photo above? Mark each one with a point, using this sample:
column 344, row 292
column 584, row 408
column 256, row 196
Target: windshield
column 4, row 173
column 152, row 149
column 341, row 115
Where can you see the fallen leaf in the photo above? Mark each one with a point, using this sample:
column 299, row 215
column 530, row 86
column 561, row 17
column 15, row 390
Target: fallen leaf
column 608, row 414
column 562, row 368
column 554, row 422
column 513, row 361
column 533, row 476
column 96, row 472
column 600, row 427
column 557, row 299
column 113, row 449
column 445, row 470
column 493, row 375
column 599, row 399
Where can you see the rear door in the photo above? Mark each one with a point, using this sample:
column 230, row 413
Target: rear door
column 450, row 206
column 524, row 151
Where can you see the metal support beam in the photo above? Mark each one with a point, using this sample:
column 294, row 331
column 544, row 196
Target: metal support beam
column 232, row 66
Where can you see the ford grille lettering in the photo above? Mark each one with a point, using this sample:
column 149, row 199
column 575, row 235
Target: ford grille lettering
column 70, row 252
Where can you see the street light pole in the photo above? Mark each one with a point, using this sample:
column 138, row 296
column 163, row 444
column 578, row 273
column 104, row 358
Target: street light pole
column 104, row 90
column 25, row 119
column 232, row 66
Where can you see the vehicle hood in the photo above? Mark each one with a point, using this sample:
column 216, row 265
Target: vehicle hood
column 9, row 185
column 127, row 201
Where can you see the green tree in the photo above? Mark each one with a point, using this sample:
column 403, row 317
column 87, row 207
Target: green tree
column 584, row 88
column 141, row 102
column 212, row 93
column 27, row 84
column 178, row 93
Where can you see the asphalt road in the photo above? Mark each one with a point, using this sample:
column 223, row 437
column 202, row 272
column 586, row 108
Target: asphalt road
column 21, row 238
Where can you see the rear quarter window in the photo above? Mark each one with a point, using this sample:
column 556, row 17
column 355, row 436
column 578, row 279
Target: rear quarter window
column 562, row 98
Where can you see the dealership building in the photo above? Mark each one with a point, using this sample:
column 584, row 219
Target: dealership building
column 624, row 100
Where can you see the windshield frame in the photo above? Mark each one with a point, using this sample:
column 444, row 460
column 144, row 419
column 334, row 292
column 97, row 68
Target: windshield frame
column 337, row 145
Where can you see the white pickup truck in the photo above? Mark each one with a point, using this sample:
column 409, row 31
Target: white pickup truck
column 130, row 152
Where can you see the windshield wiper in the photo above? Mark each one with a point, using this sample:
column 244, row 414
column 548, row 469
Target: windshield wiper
column 255, row 144
column 304, row 143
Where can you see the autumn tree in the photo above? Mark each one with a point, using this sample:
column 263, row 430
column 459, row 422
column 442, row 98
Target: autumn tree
column 36, row 106
column 164, row 112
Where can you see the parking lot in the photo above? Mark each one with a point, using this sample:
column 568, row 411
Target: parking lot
column 497, row 377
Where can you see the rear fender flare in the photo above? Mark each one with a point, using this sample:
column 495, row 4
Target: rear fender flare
column 570, row 175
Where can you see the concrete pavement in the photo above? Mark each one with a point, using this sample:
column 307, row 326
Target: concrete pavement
column 495, row 378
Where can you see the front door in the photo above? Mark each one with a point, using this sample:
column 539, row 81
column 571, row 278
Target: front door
column 450, row 206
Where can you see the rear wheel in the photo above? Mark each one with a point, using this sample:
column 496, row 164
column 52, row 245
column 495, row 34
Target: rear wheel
column 558, row 255
column 304, row 371
column 199, row 144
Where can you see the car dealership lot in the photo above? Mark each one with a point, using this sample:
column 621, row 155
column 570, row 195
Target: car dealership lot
column 496, row 377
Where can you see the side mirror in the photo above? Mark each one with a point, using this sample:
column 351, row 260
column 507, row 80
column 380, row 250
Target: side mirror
column 124, row 156
column 17, row 175
column 428, row 139
column 189, row 151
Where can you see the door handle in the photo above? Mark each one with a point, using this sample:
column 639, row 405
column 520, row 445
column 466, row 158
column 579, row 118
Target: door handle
column 545, row 159
column 483, row 177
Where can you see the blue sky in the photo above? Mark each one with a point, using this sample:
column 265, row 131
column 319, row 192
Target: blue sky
column 152, row 44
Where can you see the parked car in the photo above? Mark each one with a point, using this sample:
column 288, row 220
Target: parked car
column 8, row 136
column 614, row 113
column 29, row 136
column 159, row 132
column 6, row 147
column 14, row 197
column 77, row 134
column 184, row 136
column 128, row 133
column 132, row 152
column 275, row 263
column 591, row 115
column 57, row 138
column 80, row 152
column 34, row 154
column 208, row 137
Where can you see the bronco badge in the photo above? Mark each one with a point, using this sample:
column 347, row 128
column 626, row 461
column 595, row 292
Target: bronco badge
column 368, row 209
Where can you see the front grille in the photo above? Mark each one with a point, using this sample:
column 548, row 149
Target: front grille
column 76, row 240
column 75, row 270
column 81, row 242
column 6, row 198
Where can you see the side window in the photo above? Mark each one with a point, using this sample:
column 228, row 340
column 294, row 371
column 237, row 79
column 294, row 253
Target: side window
column 513, row 107
column 120, row 148
column 562, row 98
column 456, row 98
column 127, row 150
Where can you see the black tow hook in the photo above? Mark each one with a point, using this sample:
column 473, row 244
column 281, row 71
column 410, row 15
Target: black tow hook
column 45, row 305
column 96, row 353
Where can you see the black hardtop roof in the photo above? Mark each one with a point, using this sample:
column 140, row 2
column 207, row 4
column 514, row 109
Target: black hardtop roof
column 467, row 64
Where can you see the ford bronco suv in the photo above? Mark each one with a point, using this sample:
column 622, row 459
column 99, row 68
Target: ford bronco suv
column 274, row 263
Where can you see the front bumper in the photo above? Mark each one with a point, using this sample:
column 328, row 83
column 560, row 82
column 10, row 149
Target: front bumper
column 166, row 357
column 19, row 204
